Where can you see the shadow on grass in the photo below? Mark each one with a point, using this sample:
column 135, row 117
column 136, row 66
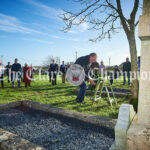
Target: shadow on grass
column 45, row 89
column 64, row 103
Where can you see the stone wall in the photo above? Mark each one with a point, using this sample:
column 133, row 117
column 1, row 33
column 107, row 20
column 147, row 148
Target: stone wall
column 10, row 141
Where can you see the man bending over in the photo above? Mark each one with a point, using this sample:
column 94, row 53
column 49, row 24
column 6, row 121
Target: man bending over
column 85, row 62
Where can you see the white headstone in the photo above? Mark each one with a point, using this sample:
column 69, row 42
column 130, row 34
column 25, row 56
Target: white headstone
column 125, row 117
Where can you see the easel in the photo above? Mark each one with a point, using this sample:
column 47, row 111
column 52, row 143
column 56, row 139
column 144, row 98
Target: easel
column 99, row 88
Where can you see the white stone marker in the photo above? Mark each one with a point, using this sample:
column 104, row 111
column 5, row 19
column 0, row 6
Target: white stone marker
column 144, row 85
column 125, row 117
column 138, row 135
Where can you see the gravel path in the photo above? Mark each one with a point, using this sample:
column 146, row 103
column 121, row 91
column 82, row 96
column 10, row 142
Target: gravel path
column 55, row 132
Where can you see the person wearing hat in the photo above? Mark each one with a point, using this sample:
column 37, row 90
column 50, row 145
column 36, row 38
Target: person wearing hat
column 16, row 73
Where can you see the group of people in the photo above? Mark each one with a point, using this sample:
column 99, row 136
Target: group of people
column 87, row 61
column 25, row 74
column 115, row 74
column 53, row 70
column 15, row 72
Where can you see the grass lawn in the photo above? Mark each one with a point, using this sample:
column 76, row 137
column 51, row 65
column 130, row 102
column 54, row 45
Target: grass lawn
column 61, row 95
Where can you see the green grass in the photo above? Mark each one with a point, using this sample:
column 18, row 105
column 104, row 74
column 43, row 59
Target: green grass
column 61, row 95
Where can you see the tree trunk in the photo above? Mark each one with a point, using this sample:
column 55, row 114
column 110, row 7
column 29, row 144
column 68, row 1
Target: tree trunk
column 134, row 67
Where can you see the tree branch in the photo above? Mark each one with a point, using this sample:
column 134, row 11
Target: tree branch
column 123, row 21
column 135, row 8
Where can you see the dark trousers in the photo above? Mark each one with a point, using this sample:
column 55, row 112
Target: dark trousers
column 50, row 77
column 9, row 78
column 2, row 81
column 111, row 80
column 53, row 78
column 126, row 75
column 27, row 84
column 81, row 94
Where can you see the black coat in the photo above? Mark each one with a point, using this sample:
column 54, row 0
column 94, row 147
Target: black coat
column 116, row 73
column 63, row 68
column 126, row 67
column 53, row 68
column 8, row 68
column 84, row 61
column 16, row 67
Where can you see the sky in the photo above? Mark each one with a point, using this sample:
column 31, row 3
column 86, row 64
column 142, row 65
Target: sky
column 30, row 30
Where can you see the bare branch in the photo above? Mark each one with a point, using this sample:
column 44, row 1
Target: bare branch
column 123, row 21
column 136, row 23
column 135, row 8
column 91, row 13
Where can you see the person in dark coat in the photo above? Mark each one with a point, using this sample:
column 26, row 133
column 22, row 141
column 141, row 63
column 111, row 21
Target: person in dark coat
column 139, row 63
column 126, row 71
column 27, row 75
column 116, row 72
column 16, row 73
column 8, row 71
column 115, row 75
column 63, row 69
column 53, row 72
column 1, row 74
column 85, row 62
column 95, row 68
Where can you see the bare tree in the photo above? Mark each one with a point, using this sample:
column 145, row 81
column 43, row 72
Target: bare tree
column 107, row 17
column 49, row 60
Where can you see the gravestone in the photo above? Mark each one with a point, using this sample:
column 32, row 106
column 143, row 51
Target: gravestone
column 126, row 114
column 144, row 88
column 138, row 136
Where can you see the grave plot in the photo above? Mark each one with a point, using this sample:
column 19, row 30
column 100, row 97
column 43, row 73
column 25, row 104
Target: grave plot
column 55, row 131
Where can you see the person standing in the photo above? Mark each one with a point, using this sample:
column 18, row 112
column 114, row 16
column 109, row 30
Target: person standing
column 2, row 74
column 126, row 71
column 31, row 71
column 102, row 69
column 27, row 75
column 139, row 63
column 8, row 71
column 53, row 72
column 115, row 75
column 16, row 73
column 85, row 62
column 63, row 69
